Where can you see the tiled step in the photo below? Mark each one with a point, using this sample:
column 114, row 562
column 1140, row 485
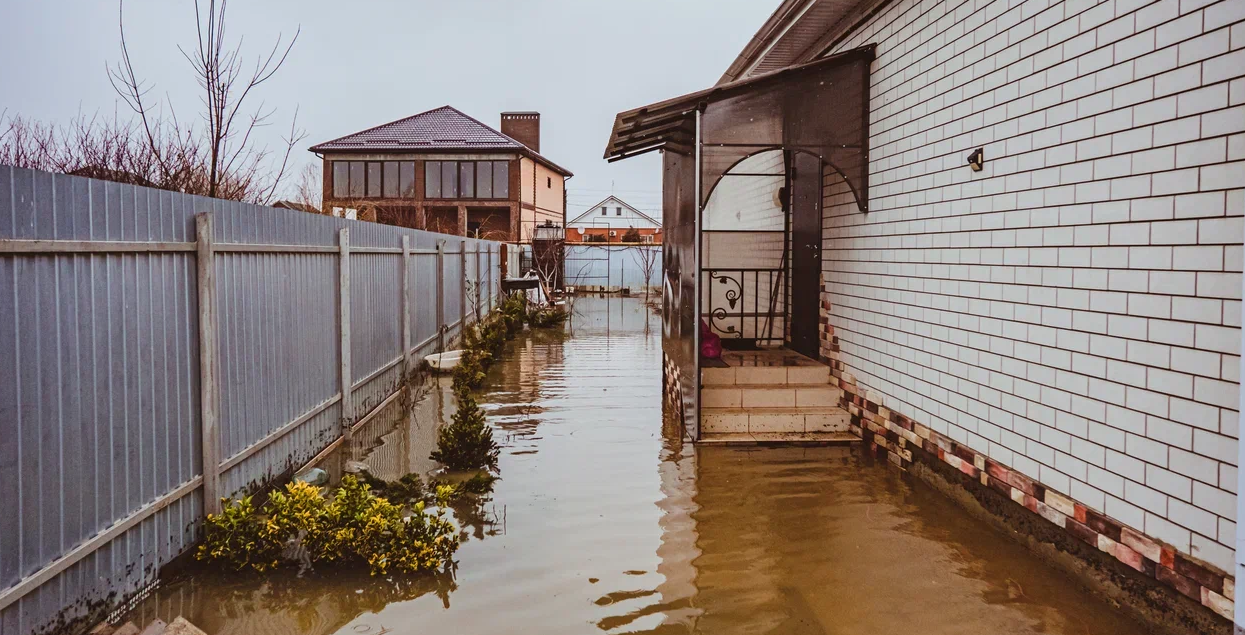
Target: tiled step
column 769, row 375
column 773, row 420
column 770, row 396
column 778, row 438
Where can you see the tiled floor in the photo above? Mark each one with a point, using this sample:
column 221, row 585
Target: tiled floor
column 768, row 357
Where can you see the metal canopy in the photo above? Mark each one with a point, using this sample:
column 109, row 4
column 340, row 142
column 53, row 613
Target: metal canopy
column 820, row 107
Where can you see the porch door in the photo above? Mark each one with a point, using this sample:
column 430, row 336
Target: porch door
column 805, row 183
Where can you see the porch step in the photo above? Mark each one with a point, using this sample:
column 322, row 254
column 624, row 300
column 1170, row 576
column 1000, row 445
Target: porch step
column 778, row 438
column 769, row 395
column 807, row 419
column 767, row 375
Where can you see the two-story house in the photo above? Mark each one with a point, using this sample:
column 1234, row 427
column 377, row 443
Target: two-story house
column 613, row 220
column 444, row 171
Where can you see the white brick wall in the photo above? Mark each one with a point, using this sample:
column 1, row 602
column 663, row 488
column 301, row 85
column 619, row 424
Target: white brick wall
column 1074, row 309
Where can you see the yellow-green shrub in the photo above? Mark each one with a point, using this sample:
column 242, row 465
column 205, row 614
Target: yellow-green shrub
column 355, row 526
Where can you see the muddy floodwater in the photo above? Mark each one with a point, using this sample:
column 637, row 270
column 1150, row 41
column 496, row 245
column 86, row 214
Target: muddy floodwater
column 605, row 522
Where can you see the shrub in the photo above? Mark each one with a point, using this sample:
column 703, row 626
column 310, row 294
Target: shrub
column 233, row 539
column 477, row 485
column 355, row 526
column 467, row 442
column 371, row 529
column 514, row 312
column 406, row 489
column 547, row 317
column 470, row 371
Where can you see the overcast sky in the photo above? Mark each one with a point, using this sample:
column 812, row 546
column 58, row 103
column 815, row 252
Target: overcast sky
column 365, row 62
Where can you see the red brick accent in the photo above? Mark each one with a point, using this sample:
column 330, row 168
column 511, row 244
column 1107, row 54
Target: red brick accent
column 884, row 430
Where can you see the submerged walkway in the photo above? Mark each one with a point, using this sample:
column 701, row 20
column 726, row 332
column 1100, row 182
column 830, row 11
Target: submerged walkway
column 603, row 523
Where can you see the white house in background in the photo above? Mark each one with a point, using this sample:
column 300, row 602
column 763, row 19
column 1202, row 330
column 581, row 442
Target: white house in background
column 611, row 219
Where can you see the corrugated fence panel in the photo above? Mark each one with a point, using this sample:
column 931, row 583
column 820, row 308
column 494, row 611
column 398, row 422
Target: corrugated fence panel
column 100, row 410
column 100, row 413
column 376, row 290
column 453, row 275
column 423, row 271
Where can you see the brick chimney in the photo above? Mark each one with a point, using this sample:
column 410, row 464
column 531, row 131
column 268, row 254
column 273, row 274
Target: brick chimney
column 523, row 127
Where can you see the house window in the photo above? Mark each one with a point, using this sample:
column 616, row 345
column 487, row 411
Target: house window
column 356, row 179
column 501, row 179
column 484, row 179
column 432, row 179
column 604, row 212
column 373, row 179
column 391, row 180
column 467, row 179
column 619, row 212
column 406, row 179
column 548, row 181
column 341, row 179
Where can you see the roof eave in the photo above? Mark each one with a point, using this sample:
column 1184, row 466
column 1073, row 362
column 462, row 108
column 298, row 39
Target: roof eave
column 759, row 41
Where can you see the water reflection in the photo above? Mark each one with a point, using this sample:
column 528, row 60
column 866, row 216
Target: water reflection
column 605, row 522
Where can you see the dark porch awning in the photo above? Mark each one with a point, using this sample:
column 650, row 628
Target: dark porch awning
column 820, row 107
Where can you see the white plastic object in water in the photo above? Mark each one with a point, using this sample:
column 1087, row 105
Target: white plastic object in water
column 444, row 362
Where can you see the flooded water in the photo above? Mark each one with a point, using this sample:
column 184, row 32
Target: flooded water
column 603, row 522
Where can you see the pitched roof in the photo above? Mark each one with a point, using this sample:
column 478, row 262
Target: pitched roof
column 611, row 197
column 798, row 31
column 444, row 128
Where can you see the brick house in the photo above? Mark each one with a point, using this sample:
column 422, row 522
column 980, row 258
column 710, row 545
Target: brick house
column 444, row 171
column 1012, row 232
column 610, row 221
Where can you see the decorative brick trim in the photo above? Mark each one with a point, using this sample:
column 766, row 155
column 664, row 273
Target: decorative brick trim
column 886, row 431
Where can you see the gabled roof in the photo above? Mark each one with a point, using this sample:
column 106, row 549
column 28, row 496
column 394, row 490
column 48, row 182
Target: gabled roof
column 588, row 212
column 440, row 129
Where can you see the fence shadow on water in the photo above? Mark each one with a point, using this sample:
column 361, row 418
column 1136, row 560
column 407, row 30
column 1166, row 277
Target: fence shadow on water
column 148, row 334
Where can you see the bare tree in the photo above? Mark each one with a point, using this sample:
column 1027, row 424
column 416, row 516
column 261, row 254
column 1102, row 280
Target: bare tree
column 646, row 258
column 308, row 190
column 236, row 167
column 102, row 148
column 548, row 260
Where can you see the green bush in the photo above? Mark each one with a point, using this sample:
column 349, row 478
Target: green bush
column 234, row 538
column 467, row 442
column 470, row 372
column 406, row 489
column 354, row 527
column 514, row 312
column 547, row 317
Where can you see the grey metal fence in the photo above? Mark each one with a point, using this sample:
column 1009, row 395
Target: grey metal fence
column 146, row 334
column 613, row 267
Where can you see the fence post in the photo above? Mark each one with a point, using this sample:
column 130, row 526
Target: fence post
column 406, row 307
column 462, row 254
column 440, row 288
column 208, row 377
column 343, row 309
column 479, row 284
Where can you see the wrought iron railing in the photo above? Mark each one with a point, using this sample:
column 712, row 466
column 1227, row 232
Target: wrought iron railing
column 746, row 303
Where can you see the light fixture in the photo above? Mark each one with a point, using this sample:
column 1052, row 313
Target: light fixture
column 976, row 159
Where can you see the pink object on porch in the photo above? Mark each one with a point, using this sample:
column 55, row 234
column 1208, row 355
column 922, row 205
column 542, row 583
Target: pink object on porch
column 710, row 343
